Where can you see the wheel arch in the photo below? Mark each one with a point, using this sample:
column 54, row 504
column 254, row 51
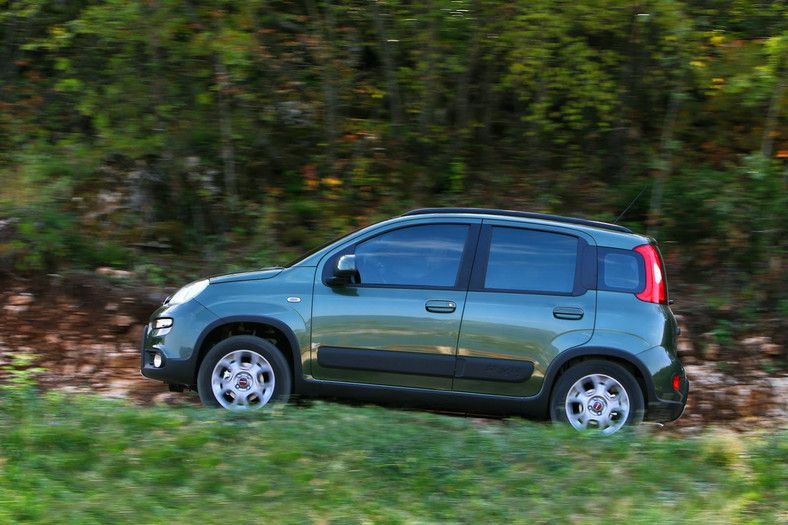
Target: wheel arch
column 629, row 361
column 270, row 329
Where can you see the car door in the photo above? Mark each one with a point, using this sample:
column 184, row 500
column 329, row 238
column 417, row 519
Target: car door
column 531, row 296
column 398, row 322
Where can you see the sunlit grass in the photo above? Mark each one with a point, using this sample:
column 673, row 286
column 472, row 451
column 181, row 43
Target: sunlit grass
column 88, row 460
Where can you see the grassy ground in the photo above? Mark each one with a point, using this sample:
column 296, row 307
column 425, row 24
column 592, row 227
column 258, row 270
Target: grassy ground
column 77, row 459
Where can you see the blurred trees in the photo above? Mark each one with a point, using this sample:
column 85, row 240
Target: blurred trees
column 272, row 124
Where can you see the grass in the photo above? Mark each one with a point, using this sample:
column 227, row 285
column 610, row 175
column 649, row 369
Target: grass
column 79, row 459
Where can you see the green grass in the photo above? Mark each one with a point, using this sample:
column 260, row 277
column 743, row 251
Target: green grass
column 78, row 459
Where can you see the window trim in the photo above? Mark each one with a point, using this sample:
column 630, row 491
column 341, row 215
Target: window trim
column 585, row 269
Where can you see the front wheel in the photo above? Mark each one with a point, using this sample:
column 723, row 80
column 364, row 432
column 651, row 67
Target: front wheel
column 597, row 394
column 243, row 373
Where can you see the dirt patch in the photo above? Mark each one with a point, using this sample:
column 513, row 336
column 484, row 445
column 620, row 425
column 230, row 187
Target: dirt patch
column 86, row 331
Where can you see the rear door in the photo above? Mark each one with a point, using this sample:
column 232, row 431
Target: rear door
column 399, row 324
column 531, row 296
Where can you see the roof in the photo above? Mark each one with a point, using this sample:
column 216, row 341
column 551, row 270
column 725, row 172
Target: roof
column 522, row 214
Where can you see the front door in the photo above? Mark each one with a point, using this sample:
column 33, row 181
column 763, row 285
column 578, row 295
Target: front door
column 399, row 323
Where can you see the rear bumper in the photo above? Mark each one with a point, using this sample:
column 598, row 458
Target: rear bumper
column 664, row 411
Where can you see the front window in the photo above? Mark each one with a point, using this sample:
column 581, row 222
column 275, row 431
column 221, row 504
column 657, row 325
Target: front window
column 417, row 256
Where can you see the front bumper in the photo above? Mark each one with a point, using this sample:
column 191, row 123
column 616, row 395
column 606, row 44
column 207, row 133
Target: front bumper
column 175, row 346
column 173, row 370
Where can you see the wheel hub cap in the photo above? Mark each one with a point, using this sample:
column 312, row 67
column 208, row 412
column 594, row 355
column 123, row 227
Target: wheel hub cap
column 243, row 381
column 597, row 401
column 597, row 406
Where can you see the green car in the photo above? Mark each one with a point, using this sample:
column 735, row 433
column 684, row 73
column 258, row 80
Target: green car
column 459, row 309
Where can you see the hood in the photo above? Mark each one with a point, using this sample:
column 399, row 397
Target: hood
column 256, row 275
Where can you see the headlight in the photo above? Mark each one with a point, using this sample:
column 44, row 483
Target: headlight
column 162, row 326
column 162, row 322
column 188, row 292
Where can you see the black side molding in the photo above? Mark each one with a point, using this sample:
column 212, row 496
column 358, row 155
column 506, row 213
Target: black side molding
column 488, row 369
column 385, row 361
column 436, row 365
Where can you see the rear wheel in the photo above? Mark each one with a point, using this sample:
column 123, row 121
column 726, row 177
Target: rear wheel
column 599, row 395
column 243, row 373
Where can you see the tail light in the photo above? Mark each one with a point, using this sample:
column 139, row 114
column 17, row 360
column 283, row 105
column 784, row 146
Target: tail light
column 656, row 289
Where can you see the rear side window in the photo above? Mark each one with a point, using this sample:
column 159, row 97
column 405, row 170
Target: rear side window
column 531, row 261
column 621, row 271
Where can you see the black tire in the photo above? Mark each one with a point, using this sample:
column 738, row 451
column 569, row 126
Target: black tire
column 243, row 373
column 597, row 394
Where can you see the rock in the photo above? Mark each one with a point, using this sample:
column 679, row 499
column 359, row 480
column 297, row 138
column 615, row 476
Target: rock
column 119, row 360
column 113, row 273
column 22, row 299
column 772, row 350
column 135, row 334
column 122, row 322
column 686, row 351
column 753, row 343
column 15, row 309
column 87, row 371
column 711, row 352
column 52, row 339
column 719, row 396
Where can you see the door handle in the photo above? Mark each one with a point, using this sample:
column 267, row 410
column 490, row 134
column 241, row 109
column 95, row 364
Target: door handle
column 568, row 313
column 441, row 307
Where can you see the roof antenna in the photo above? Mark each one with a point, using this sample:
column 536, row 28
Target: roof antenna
column 631, row 203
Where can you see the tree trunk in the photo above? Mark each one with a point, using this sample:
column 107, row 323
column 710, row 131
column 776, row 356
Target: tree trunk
column 392, row 86
column 665, row 164
column 430, row 88
column 226, row 132
column 767, row 143
column 325, row 30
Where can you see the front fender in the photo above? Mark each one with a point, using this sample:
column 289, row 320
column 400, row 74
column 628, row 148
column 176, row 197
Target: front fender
column 289, row 323
column 269, row 310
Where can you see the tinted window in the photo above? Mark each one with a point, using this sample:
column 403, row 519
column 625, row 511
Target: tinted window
column 534, row 261
column 424, row 256
column 621, row 271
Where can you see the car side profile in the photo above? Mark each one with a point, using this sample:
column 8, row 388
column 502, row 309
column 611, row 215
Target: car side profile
column 471, row 310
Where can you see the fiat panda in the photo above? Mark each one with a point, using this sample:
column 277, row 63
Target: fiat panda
column 472, row 310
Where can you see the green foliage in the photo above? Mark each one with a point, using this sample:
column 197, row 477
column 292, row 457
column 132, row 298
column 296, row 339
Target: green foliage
column 328, row 115
column 84, row 459
column 735, row 223
column 47, row 235
column 22, row 376
column 44, row 237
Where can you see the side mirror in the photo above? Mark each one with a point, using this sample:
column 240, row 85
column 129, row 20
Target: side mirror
column 344, row 271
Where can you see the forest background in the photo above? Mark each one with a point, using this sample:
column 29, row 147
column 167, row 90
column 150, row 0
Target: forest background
column 180, row 138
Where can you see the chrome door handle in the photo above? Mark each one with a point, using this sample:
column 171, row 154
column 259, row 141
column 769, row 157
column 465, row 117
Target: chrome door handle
column 568, row 313
column 441, row 307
